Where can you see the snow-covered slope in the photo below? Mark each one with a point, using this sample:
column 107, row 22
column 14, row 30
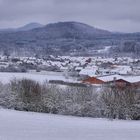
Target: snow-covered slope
column 16, row 125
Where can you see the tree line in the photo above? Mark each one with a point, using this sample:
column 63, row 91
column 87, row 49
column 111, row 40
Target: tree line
column 107, row 102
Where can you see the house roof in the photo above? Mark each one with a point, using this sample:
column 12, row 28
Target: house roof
column 93, row 80
column 130, row 79
column 120, row 81
column 108, row 78
column 88, row 71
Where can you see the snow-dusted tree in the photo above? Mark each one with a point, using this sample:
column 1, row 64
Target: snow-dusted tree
column 51, row 98
column 121, row 103
column 28, row 94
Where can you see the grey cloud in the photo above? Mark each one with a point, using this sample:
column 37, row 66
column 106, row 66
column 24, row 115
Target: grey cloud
column 117, row 15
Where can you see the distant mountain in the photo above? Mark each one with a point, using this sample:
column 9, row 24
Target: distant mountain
column 30, row 26
column 73, row 30
column 26, row 27
column 60, row 38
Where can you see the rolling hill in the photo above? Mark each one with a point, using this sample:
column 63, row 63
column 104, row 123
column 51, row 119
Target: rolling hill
column 26, row 27
column 59, row 38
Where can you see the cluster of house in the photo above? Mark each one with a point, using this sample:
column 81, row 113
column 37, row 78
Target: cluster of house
column 90, row 70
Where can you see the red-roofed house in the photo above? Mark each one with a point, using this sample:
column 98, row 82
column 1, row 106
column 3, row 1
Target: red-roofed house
column 93, row 80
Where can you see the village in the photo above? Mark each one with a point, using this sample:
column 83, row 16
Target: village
column 74, row 70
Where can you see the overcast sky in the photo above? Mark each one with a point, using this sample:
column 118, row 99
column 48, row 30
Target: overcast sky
column 113, row 15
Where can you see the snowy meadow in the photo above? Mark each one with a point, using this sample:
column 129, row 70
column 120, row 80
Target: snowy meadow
column 15, row 125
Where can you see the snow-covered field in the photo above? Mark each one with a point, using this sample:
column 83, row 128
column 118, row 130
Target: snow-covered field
column 16, row 125
column 5, row 77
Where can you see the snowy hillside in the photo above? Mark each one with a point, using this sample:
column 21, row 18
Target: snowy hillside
column 16, row 125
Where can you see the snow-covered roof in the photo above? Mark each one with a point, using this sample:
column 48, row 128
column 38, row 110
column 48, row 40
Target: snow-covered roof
column 122, row 69
column 89, row 72
column 108, row 78
column 130, row 79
